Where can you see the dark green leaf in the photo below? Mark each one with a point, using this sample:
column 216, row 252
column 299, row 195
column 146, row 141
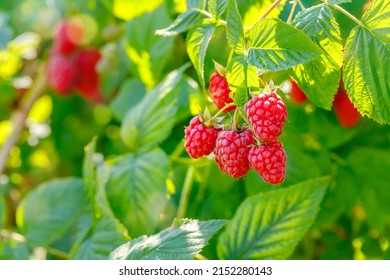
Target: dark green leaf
column 198, row 39
column 48, row 211
column 275, row 45
column 320, row 77
column 366, row 63
column 3, row 211
column 148, row 123
column 147, row 51
column 130, row 93
column 181, row 243
column 136, row 190
column 270, row 225
column 234, row 28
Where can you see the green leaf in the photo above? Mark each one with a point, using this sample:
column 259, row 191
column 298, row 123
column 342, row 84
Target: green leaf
column 234, row 28
column 198, row 39
column 130, row 93
column 180, row 243
column 366, row 72
column 3, row 211
column 270, row 225
column 336, row 2
column 136, row 190
column 182, row 23
column 129, row 9
column 89, row 170
column 242, row 79
column 48, row 211
column 150, row 122
column 252, row 9
column 275, row 45
column 147, row 52
column 320, row 77
column 369, row 169
column 13, row 246
column 217, row 7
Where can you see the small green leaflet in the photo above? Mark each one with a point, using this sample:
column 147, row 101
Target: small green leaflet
column 269, row 225
column 366, row 72
column 242, row 78
column 217, row 7
column 275, row 45
column 234, row 28
column 198, row 39
column 320, row 77
column 180, row 243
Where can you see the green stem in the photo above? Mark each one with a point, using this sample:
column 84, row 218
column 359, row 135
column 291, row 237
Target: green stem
column 207, row 14
column 57, row 253
column 348, row 14
column 208, row 122
column 185, row 193
column 301, row 5
column 292, row 11
column 266, row 12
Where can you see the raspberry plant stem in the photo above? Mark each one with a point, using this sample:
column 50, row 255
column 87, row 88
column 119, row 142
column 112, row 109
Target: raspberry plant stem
column 19, row 116
column 208, row 122
column 346, row 13
column 185, row 193
column 266, row 12
column 294, row 5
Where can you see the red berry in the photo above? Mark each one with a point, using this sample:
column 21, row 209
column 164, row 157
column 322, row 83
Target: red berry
column 220, row 91
column 267, row 115
column 66, row 38
column 231, row 152
column 200, row 139
column 346, row 113
column 269, row 161
column 88, row 82
column 61, row 74
column 297, row 95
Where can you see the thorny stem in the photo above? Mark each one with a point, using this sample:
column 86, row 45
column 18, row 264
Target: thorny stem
column 348, row 14
column 185, row 193
column 19, row 116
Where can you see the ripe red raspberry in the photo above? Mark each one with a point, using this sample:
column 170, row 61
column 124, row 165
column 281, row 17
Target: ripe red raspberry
column 269, row 161
column 267, row 115
column 231, row 152
column 199, row 139
column 346, row 113
column 66, row 38
column 88, row 82
column 61, row 74
column 297, row 95
column 220, row 91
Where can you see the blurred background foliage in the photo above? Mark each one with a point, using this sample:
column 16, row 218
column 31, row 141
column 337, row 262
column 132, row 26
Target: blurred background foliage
column 354, row 221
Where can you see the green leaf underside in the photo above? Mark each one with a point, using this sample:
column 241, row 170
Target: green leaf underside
column 180, row 243
column 336, row 2
column 319, row 78
column 217, row 7
column 48, row 211
column 270, row 225
column 136, row 190
column 366, row 72
column 242, row 78
column 198, row 39
column 234, row 28
column 275, row 45
column 149, row 123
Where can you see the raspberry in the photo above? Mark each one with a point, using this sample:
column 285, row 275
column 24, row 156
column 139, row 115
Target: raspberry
column 297, row 95
column 220, row 91
column 269, row 161
column 267, row 115
column 64, row 42
column 61, row 74
column 346, row 113
column 88, row 82
column 231, row 152
column 200, row 139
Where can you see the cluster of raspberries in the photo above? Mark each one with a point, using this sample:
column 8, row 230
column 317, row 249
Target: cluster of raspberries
column 72, row 67
column 255, row 145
